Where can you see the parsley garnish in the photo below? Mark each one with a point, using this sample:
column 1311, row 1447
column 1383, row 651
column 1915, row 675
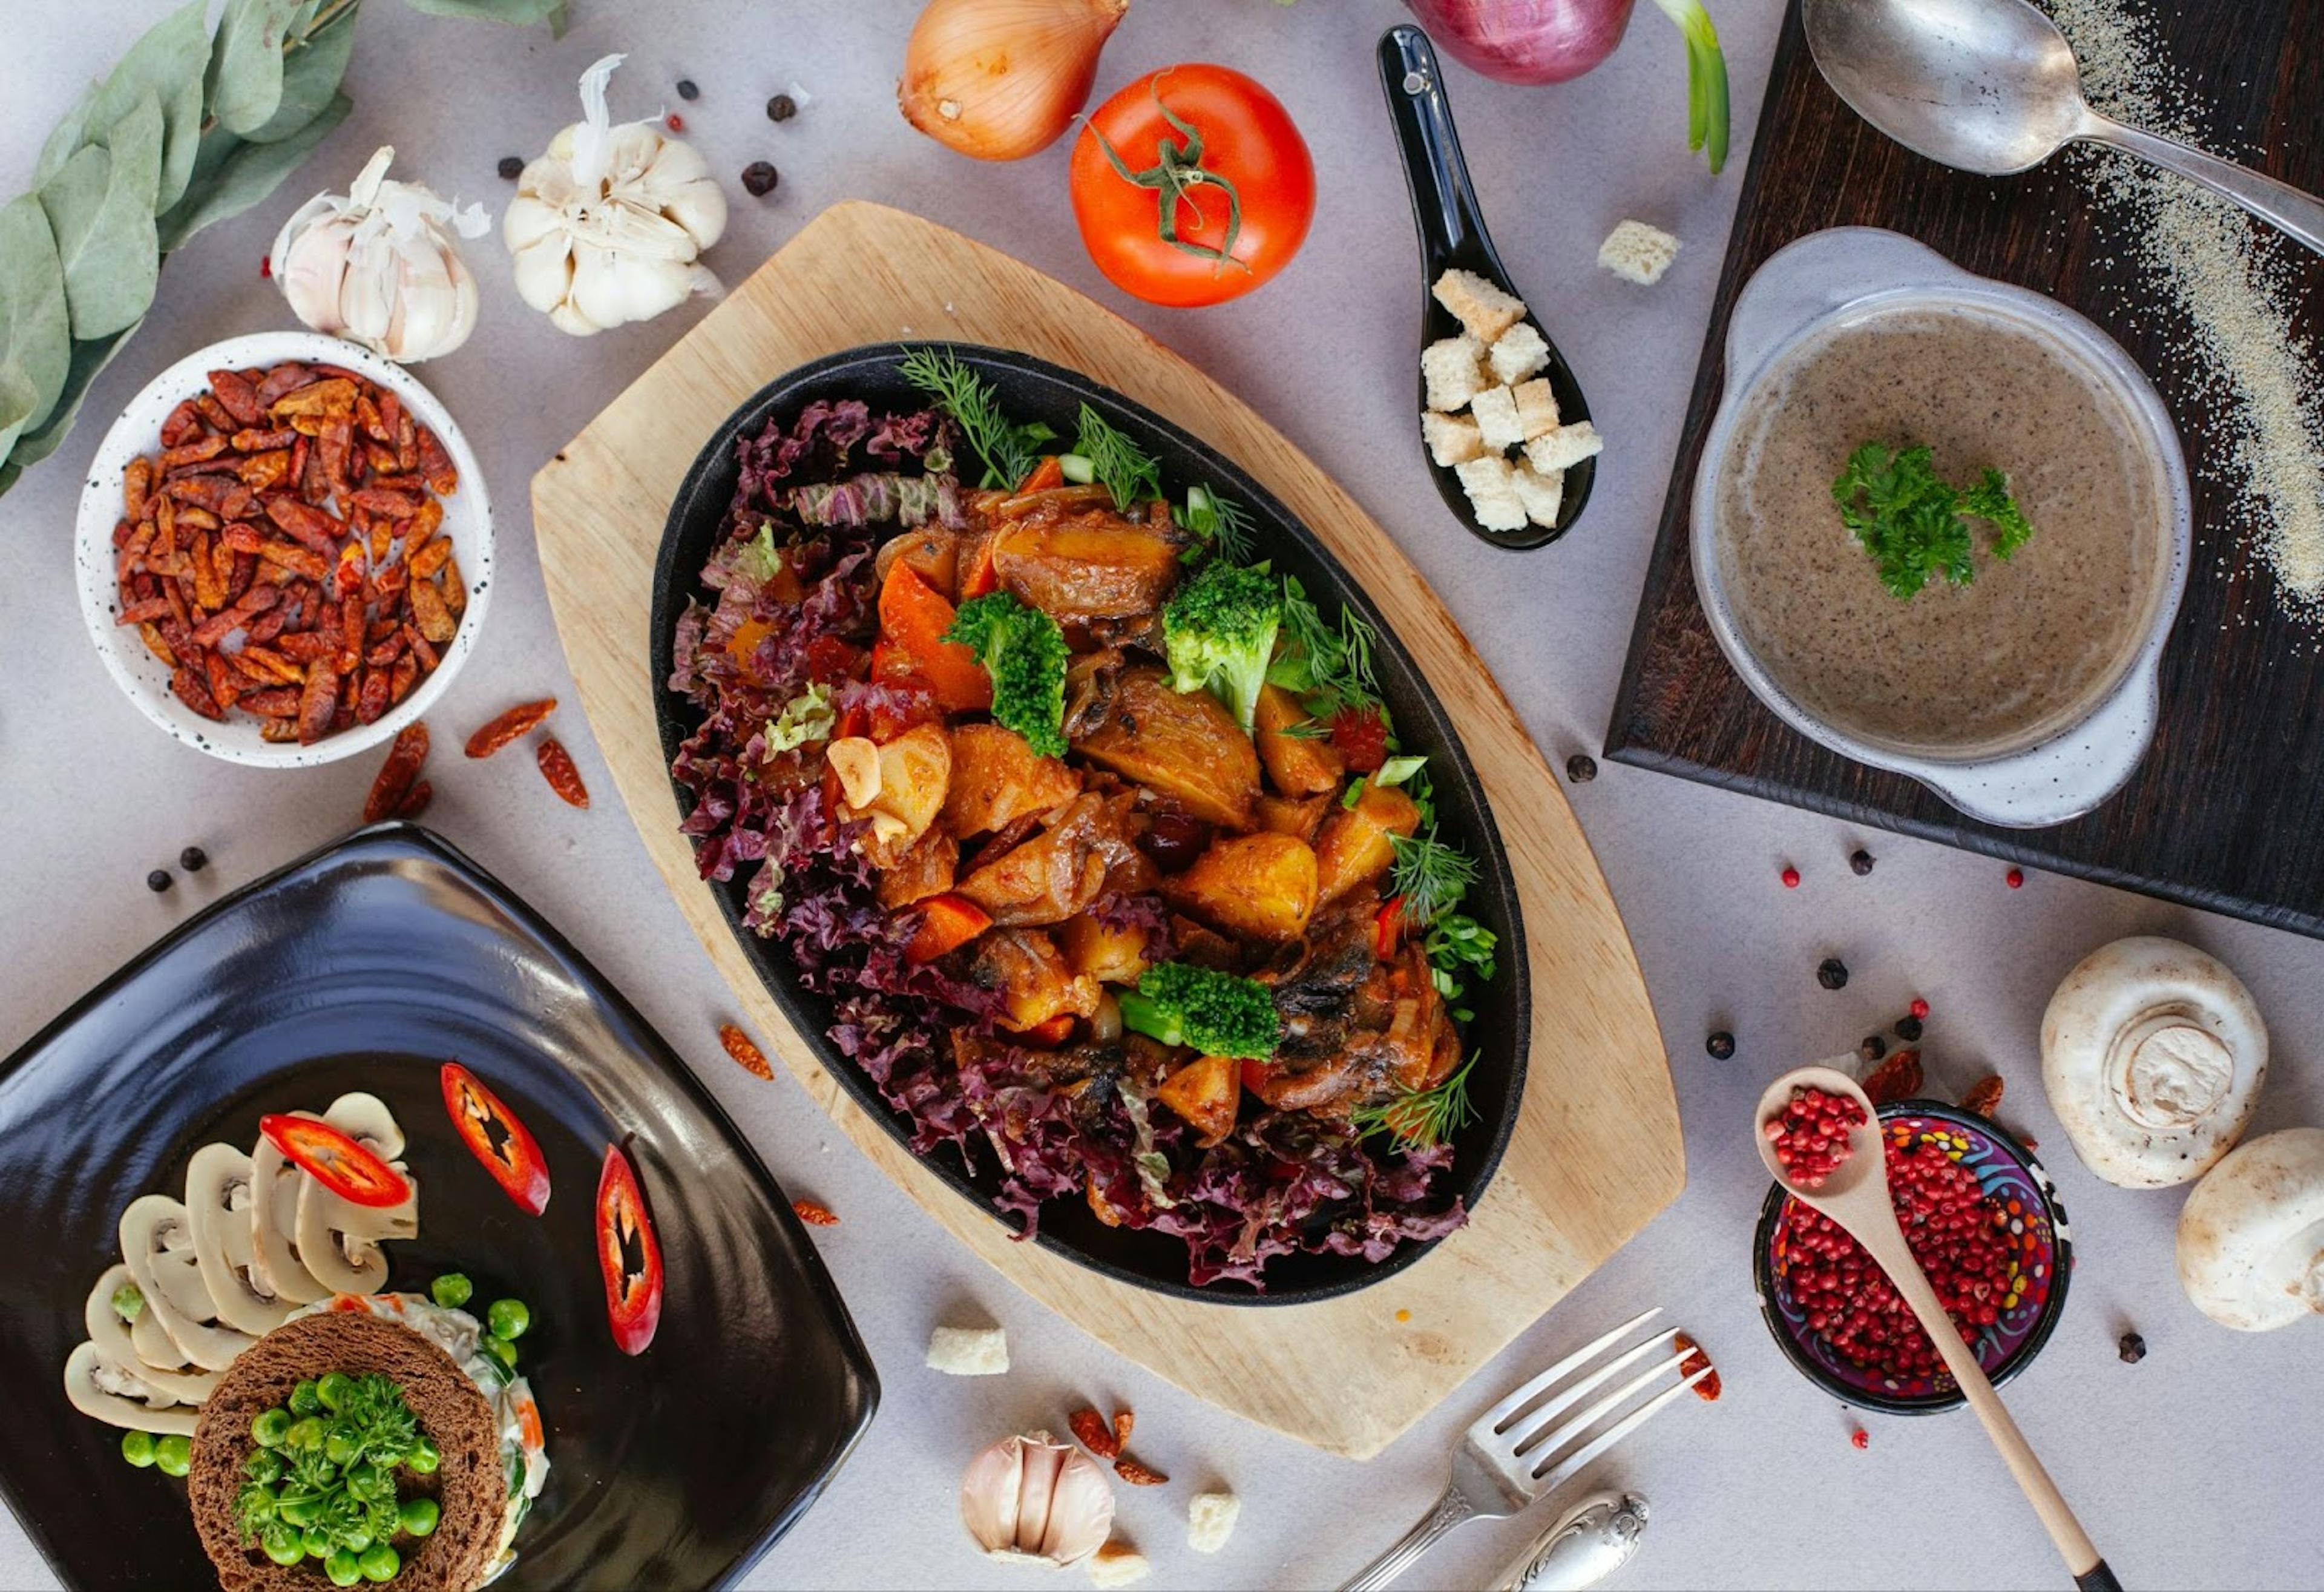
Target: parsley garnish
column 1009, row 452
column 1909, row 518
column 1418, row 1119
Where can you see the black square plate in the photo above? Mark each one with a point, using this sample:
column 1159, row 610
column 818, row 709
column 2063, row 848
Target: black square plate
column 366, row 965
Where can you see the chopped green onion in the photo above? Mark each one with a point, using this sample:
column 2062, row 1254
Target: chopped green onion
column 1077, row 468
column 1396, row 770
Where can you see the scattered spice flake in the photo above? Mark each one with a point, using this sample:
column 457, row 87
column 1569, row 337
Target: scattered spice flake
column 745, row 1051
column 1897, row 1078
column 1404, row 1315
column 676, row 123
column 1095, row 1435
column 1790, row 876
column 265, row 266
column 510, row 726
column 1709, row 1389
column 1136, row 1475
column 1124, row 1420
column 813, row 1215
column 1984, row 1097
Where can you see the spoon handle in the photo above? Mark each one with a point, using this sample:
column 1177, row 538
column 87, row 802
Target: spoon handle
column 1886, row 1246
column 2301, row 215
column 1443, row 201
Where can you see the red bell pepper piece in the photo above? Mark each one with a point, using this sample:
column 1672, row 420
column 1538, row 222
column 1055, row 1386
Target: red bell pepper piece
column 629, row 1255
column 496, row 1138
column 336, row 1161
column 947, row 923
column 1387, row 924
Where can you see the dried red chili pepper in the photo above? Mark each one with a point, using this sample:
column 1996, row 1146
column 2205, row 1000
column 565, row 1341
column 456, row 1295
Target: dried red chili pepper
column 398, row 773
column 512, row 725
column 496, row 1137
column 1707, row 1390
column 745, row 1053
column 1095, row 1433
column 1136, row 1475
column 1897, row 1078
column 629, row 1255
column 557, row 768
column 1984, row 1097
column 812, row 1214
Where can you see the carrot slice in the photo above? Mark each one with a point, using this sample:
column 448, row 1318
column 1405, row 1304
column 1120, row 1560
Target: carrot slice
column 948, row 922
column 914, row 615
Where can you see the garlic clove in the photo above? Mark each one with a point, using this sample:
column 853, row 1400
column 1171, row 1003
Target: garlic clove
column 310, row 266
column 1044, row 1461
column 1033, row 1499
column 528, row 220
column 544, row 271
column 988, row 1492
column 1081, row 1513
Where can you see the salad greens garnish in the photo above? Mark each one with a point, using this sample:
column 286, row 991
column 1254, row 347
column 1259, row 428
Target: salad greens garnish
column 1009, row 452
column 1910, row 519
column 1125, row 469
column 1419, row 1119
column 1216, row 1013
column 808, row 717
column 1024, row 652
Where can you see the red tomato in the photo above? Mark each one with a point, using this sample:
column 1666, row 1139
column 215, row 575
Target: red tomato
column 336, row 1161
column 1219, row 193
column 496, row 1138
column 629, row 1255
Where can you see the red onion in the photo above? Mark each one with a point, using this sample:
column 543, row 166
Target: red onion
column 1525, row 41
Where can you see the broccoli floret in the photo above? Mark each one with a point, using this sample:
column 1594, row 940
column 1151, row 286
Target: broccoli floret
column 1217, row 1013
column 1219, row 633
column 1024, row 652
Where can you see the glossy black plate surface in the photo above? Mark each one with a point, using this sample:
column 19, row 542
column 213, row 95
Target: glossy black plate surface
column 366, row 965
column 1034, row 389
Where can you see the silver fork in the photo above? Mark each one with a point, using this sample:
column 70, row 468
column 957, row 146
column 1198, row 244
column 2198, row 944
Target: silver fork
column 1505, row 1460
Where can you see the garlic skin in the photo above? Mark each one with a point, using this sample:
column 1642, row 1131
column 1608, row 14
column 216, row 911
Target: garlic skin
column 381, row 265
column 608, row 226
column 1033, row 1499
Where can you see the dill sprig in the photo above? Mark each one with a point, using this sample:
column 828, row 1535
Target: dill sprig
column 1431, row 875
column 1419, row 1119
column 1009, row 452
column 1126, row 471
column 1328, row 666
column 1220, row 522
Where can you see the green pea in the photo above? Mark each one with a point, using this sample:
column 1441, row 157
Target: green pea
column 174, row 1455
column 500, row 1349
column 317, row 1542
column 424, row 1459
column 339, row 1446
column 268, row 1427
column 380, row 1563
column 508, row 1318
column 452, row 1290
column 305, row 1435
column 263, row 1466
column 354, row 1539
column 128, row 1301
column 420, row 1515
column 303, row 1399
column 138, row 1447
column 366, row 1482
column 343, row 1568
column 334, row 1389
column 282, row 1544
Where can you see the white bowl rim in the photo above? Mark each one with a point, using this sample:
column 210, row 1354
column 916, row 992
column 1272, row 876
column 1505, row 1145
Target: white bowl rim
column 467, row 519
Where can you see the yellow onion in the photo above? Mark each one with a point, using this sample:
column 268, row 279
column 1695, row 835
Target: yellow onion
column 998, row 80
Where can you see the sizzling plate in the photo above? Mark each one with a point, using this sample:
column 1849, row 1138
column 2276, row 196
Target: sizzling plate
column 366, row 965
column 1034, row 389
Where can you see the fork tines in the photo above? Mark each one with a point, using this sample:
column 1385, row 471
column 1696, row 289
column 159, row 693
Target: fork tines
column 1522, row 1436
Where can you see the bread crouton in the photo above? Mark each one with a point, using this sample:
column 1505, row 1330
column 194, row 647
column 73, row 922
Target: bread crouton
column 1492, row 492
column 1564, row 448
column 1477, row 304
column 1496, row 408
column 1517, row 353
column 1211, row 1521
column 1451, row 438
column 1638, row 252
column 1537, row 407
column 1118, row 1564
column 1541, row 495
column 1454, row 368
column 969, row 1351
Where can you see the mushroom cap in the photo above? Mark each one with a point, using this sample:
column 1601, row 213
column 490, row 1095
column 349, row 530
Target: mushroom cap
column 2250, row 1237
column 2152, row 1053
column 224, row 1242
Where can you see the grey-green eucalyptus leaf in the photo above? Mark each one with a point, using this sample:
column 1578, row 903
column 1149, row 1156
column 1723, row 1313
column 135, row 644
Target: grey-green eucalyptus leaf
column 66, row 136
column 88, row 358
column 169, row 63
column 100, row 206
column 312, row 65
column 16, row 401
column 245, row 71
column 242, row 174
column 35, row 334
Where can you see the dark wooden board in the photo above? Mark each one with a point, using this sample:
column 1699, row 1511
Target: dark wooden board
column 2226, row 810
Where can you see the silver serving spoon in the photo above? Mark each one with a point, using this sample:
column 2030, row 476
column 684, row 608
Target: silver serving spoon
column 1990, row 86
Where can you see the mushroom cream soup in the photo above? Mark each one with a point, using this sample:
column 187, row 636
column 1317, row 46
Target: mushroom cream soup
column 2032, row 642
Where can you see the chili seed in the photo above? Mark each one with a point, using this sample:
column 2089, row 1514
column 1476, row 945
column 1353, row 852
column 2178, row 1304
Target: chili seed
column 265, row 267
column 758, row 179
column 1582, row 768
column 1908, row 1028
column 158, row 880
column 1859, row 862
column 1832, row 973
column 2131, row 1348
column 689, row 89
column 511, row 168
column 2014, row 878
column 673, row 121
column 193, row 859
column 1790, row 877
column 1720, row 1045
column 1872, row 1046
column 782, row 107
column 1860, row 1438
column 1919, row 1008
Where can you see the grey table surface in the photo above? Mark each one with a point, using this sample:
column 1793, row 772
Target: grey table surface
column 2196, row 1467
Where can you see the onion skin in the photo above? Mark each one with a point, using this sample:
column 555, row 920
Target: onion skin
column 1002, row 80
column 1524, row 41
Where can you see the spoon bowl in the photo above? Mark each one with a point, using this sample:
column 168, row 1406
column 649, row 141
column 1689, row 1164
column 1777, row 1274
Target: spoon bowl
column 1858, row 1181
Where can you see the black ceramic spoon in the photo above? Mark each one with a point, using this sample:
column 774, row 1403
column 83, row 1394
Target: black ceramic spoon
column 1453, row 236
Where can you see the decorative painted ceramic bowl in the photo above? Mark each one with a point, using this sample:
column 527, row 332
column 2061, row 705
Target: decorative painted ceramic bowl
column 2041, row 1264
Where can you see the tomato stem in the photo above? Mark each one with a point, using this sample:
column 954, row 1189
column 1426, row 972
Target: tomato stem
column 1176, row 170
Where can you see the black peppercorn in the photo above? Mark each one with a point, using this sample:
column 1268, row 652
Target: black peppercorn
column 1872, row 1048
column 1859, row 862
column 759, row 179
column 511, row 167
column 1908, row 1028
column 2131, row 1348
column 689, row 89
column 1582, row 768
column 193, row 859
column 1832, row 973
column 1721, row 1045
column 158, row 880
column 781, row 109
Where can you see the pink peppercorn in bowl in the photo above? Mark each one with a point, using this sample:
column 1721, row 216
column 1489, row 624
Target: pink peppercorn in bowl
column 2031, row 1242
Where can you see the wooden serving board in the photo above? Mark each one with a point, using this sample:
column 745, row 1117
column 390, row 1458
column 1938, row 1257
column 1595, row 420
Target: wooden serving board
column 1596, row 1152
column 2222, row 812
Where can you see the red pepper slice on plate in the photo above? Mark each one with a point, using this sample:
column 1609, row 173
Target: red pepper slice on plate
column 496, row 1138
column 336, row 1161
column 1387, row 924
column 629, row 1255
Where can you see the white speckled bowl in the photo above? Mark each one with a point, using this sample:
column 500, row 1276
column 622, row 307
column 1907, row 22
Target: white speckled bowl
column 467, row 520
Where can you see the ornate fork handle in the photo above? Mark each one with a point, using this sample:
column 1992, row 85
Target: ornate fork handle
column 1452, row 1510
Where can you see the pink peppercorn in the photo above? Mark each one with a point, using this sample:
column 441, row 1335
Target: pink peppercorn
column 1790, row 878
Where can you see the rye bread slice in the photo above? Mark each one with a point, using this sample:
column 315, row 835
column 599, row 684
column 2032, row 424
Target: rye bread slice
column 469, row 1486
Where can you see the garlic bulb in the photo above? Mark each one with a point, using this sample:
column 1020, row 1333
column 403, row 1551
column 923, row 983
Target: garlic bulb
column 379, row 265
column 607, row 226
column 1035, row 1501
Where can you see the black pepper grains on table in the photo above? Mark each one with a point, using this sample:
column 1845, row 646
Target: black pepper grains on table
column 1872, row 1048
column 1908, row 1028
column 759, row 179
column 158, row 880
column 2131, row 1348
column 193, row 859
column 687, row 88
column 511, row 168
column 782, row 107
column 1720, row 1045
column 1859, row 862
column 1832, row 973
column 1581, row 768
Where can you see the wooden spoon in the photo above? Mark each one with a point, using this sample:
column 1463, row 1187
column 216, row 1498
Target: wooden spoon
column 1855, row 1196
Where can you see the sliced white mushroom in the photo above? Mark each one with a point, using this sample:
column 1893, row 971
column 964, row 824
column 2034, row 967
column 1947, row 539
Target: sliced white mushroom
column 219, row 1204
column 338, row 1240
column 106, row 1391
column 2152, row 1054
column 157, row 1242
column 2251, row 1237
column 274, row 1184
column 116, row 1345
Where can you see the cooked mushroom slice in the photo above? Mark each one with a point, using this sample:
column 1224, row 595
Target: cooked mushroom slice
column 2152, row 1054
column 274, row 1184
column 338, row 1241
column 157, row 1241
column 106, row 1391
column 116, row 1345
column 218, row 1203
column 2251, row 1237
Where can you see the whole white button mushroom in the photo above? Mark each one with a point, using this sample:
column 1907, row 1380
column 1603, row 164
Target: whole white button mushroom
column 2152, row 1054
column 2251, row 1238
